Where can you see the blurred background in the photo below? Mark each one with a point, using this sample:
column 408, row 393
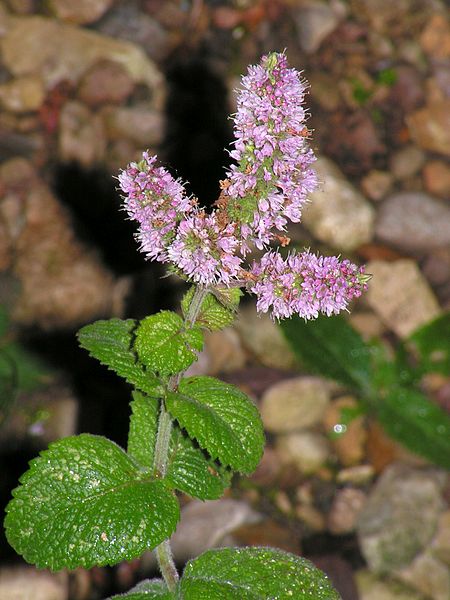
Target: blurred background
column 85, row 87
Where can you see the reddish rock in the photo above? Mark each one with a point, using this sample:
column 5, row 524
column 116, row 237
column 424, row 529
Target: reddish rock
column 107, row 82
column 436, row 178
column 430, row 127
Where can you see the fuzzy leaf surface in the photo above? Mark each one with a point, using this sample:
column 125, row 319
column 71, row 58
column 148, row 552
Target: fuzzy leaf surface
column 85, row 502
column 254, row 574
column 330, row 347
column 164, row 345
column 411, row 418
column 222, row 419
column 111, row 342
column 143, row 429
column 150, row 589
column 213, row 314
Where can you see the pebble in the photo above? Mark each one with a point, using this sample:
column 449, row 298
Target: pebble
column 62, row 284
column 406, row 162
column 387, row 528
column 435, row 38
column 24, row 94
column 430, row 127
column 78, row 50
column 413, row 221
column 372, row 588
column 263, row 338
column 400, row 295
column 357, row 475
column 367, row 324
column 315, row 20
column 377, row 184
column 440, row 545
column 338, row 214
column 345, row 510
column 436, row 266
column 80, row 12
column 294, row 404
column 81, row 136
column 349, row 446
column 141, row 124
column 427, row 575
column 436, row 178
column 224, row 350
column 107, row 82
column 18, row 583
column 307, row 450
column 311, row 517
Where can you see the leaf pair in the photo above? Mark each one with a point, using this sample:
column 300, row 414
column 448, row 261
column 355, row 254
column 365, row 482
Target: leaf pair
column 244, row 574
column 331, row 347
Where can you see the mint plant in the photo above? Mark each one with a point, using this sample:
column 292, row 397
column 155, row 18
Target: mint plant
column 85, row 501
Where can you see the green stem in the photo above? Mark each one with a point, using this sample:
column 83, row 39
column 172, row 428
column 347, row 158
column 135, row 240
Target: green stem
column 163, row 551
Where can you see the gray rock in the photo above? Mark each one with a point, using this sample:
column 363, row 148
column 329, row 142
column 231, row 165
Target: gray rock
column 81, row 136
column 406, row 162
column 413, row 221
column 19, row 583
column 427, row 575
column 400, row 516
column 306, row 450
column 140, row 124
column 315, row 20
column 345, row 510
column 400, row 295
column 440, row 546
column 430, row 127
column 338, row 214
column 294, row 404
column 372, row 588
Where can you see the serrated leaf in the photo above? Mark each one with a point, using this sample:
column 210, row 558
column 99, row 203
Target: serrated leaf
column 221, row 418
column 150, row 589
column 409, row 417
column 254, row 574
column 213, row 314
column 191, row 471
column 331, row 347
column 110, row 342
column 85, row 502
column 164, row 345
column 432, row 342
column 143, row 429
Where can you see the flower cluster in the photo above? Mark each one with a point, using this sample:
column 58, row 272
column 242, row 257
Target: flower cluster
column 266, row 187
column 272, row 178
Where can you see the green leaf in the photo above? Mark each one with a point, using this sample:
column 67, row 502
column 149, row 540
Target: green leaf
column 223, row 420
column 4, row 320
column 147, row 590
column 409, row 417
column 110, row 342
column 143, row 429
column 164, row 345
column 218, row 310
column 331, row 347
column 8, row 385
column 191, row 471
column 85, row 502
column 31, row 371
column 432, row 342
column 254, row 574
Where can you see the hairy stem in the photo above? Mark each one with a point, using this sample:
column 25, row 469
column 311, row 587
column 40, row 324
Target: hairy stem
column 163, row 551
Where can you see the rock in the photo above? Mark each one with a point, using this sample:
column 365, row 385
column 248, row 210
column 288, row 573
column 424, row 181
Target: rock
column 440, row 545
column 81, row 135
column 358, row 475
column 430, row 127
column 407, row 93
column 107, row 82
column 436, row 177
column 377, row 184
column 315, row 20
column 126, row 21
column 406, row 162
column 311, row 517
column 62, row 284
column 435, row 38
column 324, row 90
column 141, row 124
column 21, row 7
column 366, row 324
column 18, row 583
column 264, row 339
column 400, row 295
column 388, row 531
column 294, row 404
column 78, row 50
column 21, row 95
column 413, row 221
column 372, row 588
column 224, row 351
column 272, row 534
column 349, row 439
column 79, row 12
column 306, row 450
column 338, row 214
column 381, row 14
column 209, row 525
column 345, row 510
column 436, row 266
column 427, row 575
